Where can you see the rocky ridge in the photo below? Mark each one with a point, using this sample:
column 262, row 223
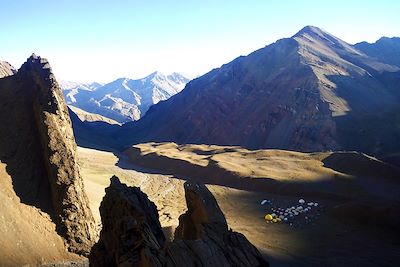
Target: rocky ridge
column 6, row 69
column 132, row 235
column 40, row 152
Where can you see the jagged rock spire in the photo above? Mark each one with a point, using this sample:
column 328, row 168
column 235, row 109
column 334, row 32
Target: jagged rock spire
column 70, row 204
column 132, row 236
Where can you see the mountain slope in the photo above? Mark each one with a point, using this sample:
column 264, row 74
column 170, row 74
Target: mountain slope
column 300, row 93
column 93, row 134
column 71, row 89
column 385, row 49
column 125, row 99
column 6, row 69
column 87, row 116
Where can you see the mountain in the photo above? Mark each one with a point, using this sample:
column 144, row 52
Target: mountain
column 90, row 117
column 310, row 92
column 385, row 49
column 93, row 134
column 70, row 89
column 6, row 69
column 124, row 99
column 45, row 210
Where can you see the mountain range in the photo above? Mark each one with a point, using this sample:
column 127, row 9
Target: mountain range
column 310, row 92
column 124, row 99
column 47, row 218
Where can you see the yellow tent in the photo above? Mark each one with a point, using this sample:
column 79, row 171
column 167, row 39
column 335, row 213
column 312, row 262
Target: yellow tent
column 268, row 217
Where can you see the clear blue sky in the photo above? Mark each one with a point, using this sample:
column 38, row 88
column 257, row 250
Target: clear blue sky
column 104, row 40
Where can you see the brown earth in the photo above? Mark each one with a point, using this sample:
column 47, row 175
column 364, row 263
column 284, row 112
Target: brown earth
column 337, row 237
column 27, row 234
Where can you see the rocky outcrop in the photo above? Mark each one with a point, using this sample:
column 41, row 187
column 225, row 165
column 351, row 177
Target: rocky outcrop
column 40, row 152
column 203, row 237
column 132, row 235
column 6, row 69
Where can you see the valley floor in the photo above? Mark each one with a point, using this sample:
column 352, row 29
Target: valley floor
column 326, row 241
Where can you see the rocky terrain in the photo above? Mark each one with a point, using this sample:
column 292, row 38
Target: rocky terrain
column 124, row 99
column 40, row 174
column 310, row 92
column 132, row 234
column 6, row 69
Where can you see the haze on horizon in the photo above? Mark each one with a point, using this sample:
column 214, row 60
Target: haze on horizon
column 101, row 40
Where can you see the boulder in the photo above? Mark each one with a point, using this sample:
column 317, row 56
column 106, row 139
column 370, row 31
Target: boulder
column 203, row 237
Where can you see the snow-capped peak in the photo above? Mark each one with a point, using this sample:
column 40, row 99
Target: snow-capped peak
column 124, row 99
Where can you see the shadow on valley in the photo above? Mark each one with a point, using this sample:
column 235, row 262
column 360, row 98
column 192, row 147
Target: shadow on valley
column 329, row 240
column 363, row 189
column 95, row 135
column 356, row 228
column 357, row 177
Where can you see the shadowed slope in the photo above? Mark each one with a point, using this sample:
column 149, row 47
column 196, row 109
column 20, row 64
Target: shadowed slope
column 385, row 49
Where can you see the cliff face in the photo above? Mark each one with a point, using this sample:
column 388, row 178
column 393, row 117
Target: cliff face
column 132, row 235
column 39, row 149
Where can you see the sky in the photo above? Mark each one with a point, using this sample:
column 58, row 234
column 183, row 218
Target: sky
column 100, row 41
